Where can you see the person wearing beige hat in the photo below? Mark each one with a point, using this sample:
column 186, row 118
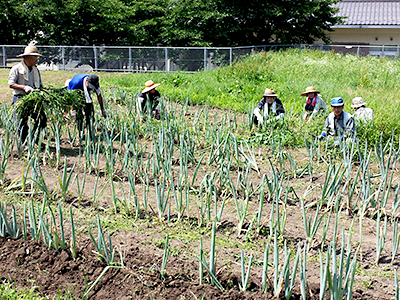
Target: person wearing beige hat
column 314, row 103
column 361, row 113
column 24, row 78
column 149, row 99
column 269, row 108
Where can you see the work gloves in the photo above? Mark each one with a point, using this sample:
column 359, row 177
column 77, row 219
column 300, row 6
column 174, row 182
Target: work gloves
column 321, row 136
column 28, row 89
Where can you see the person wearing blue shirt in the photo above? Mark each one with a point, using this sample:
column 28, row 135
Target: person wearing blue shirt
column 86, row 83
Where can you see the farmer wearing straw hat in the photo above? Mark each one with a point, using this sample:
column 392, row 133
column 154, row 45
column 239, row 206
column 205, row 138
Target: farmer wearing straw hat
column 271, row 107
column 362, row 113
column 314, row 103
column 24, row 78
column 149, row 98
column 86, row 83
column 339, row 124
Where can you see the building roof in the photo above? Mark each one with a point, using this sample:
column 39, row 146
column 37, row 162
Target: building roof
column 382, row 13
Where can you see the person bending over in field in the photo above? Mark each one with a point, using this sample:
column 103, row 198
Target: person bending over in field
column 24, row 78
column 314, row 103
column 362, row 114
column 86, row 83
column 339, row 125
column 149, row 100
column 269, row 108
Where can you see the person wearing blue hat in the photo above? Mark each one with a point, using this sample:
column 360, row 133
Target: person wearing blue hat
column 339, row 124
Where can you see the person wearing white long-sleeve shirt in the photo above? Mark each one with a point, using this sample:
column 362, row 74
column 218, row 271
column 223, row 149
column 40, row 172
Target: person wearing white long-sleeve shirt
column 362, row 114
column 86, row 83
column 24, row 78
column 339, row 125
column 269, row 108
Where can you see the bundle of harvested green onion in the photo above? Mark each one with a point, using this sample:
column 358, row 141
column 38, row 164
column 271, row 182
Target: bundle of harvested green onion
column 50, row 100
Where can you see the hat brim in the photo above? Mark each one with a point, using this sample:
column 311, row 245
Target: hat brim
column 29, row 54
column 305, row 93
column 358, row 105
column 335, row 105
column 151, row 88
column 270, row 95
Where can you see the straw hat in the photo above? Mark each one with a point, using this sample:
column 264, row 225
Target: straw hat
column 358, row 102
column 310, row 89
column 270, row 93
column 30, row 50
column 149, row 85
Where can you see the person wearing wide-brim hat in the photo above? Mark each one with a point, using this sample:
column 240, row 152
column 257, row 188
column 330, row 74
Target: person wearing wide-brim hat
column 361, row 113
column 339, row 124
column 314, row 103
column 149, row 100
column 269, row 108
column 24, row 78
column 86, row 83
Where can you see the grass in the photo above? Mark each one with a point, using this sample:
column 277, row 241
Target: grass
column 236, row 87
column 289, row 72
column 9, row 292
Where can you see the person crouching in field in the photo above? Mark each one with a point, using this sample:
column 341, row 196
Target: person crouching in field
column 362, row 114
column 86, row 83
column 314, row 103
column 269, row 108
column 339, row 125
column 149, row 100
column 24, row 78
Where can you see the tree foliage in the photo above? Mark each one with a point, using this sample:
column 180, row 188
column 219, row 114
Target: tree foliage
column 166, row 22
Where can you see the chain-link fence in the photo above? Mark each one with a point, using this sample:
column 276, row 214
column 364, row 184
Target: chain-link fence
column 162, row 59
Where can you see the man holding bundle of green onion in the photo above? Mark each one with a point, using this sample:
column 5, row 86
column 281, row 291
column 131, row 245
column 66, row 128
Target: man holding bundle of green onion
column 339, row 124
column 24, row 78
column 86, row 83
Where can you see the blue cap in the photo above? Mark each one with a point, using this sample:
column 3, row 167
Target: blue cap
column 337, row 101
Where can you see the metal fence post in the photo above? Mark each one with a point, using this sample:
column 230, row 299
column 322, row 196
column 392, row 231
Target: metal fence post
column 130, row 58
column 205, row 59
column 63, row 57
column 4, row 57
column 166, row 60
column 230, row 56
column 95, row 58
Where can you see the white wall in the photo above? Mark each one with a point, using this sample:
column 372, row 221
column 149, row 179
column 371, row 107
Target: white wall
column 385, row 36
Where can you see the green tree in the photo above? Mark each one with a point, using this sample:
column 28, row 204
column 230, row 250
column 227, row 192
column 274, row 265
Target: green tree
column 237, row 22
column 166, row 22
column 93, row 22
column 193, row 22
column 14, row 27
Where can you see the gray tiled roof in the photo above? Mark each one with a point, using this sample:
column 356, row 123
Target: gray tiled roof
column 363, row 12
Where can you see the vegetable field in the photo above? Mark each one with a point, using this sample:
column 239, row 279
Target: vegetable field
column 196, row 205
